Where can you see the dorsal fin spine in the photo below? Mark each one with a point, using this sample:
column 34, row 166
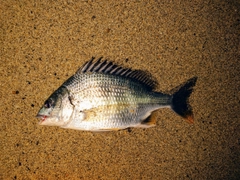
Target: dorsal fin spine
column 128, row 73
column 109, row 64
column 98, row 64
column 124, row 72
column 103, row 67
column 109, row 68
column 86, row 65
column 114, row 69
column 120, row 71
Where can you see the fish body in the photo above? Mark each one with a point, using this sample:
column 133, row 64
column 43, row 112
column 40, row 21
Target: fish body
column 102, row 96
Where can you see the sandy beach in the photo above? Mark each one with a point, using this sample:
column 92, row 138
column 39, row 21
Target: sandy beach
column 43, row 43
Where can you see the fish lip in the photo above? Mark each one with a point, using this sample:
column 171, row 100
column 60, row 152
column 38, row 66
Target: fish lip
column 41, row 117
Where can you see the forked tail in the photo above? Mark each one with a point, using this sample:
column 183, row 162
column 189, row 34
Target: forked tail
column 180, row 100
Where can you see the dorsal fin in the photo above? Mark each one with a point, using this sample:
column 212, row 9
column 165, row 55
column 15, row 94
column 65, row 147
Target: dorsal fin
column 108, row 67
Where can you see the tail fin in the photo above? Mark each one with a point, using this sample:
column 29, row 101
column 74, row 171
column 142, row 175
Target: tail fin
column 180, row 103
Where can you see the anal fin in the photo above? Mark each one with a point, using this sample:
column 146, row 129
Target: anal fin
column 150, row 121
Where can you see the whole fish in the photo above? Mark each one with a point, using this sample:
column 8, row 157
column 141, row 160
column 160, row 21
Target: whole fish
column 103, row 96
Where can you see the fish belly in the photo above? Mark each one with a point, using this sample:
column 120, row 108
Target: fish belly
column 110, row 117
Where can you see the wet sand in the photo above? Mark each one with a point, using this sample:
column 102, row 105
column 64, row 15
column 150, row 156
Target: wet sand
column 44, row 43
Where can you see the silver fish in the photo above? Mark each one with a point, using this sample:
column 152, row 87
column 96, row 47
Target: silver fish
column 103, row 96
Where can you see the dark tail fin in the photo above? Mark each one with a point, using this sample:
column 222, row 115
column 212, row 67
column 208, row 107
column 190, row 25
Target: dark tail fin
column 180, row 103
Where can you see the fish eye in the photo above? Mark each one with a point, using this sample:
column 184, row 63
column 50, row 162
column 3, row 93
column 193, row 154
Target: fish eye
column 47, row 104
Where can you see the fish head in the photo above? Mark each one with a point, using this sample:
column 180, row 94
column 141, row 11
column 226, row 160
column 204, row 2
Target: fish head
column 57, row 109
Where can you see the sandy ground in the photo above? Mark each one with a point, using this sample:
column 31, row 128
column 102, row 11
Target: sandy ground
column 43, row 43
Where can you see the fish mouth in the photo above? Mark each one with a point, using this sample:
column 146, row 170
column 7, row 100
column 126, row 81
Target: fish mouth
column 41, row 117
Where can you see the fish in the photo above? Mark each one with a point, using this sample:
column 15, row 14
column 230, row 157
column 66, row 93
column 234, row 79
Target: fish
column 103, row 96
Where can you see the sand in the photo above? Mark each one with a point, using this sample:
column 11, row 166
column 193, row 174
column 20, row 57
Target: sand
column 43, row 43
